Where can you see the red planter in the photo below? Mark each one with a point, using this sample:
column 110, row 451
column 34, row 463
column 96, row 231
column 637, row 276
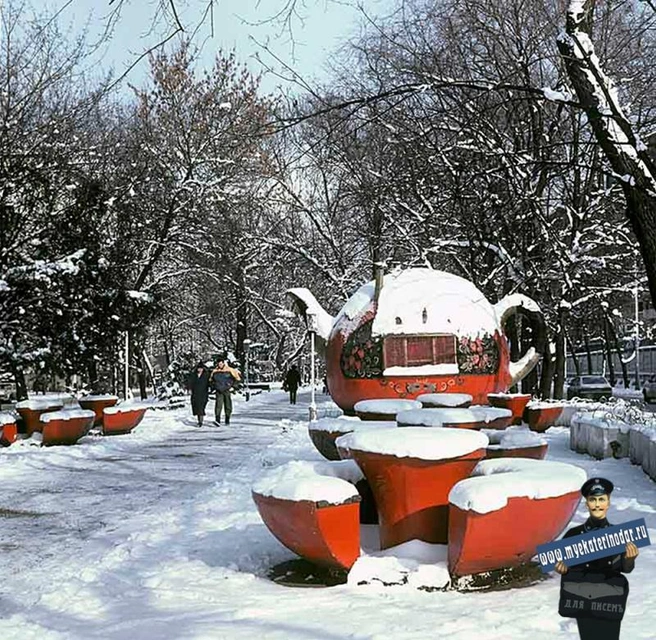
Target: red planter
column 540, row 417
column 97, row 404
column 537, row 452
column 118, row 421
column 384, row 409
column 326, row 534
column 516, row 402
column 31, row 414
column 412, row 494
column 63, row 427
column 507, row 537
column 8, row 433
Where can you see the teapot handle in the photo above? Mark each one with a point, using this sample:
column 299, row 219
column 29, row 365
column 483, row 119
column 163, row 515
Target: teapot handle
column 518, row 303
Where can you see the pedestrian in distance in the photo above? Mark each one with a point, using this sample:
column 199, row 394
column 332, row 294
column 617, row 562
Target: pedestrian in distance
column 292, row 382
column 223, row 380
column 199, row 385
column 596, row 492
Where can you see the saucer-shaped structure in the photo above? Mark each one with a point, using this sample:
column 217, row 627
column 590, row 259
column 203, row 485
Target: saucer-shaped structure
column 122, row 418
column 32, row 410
column 516, row 402
column 541, row 415
column 325, row 431
column 383, row 409
column 8, row 428
column 515, row 442
column 445, row 400
column 97, row 403
column 410, row 472
column 474, row 417
column 313, row 509
column 66, row 426
column 509, row 506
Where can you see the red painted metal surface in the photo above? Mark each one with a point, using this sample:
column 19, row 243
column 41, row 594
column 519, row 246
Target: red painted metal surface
column 32, row 417
column 368, row 415
column 516, row 403
column 412, row 494
column 97, row 407
column 328, row 535
column 347, row 391
column 324, row 442
column 122, row 422
column 65, row 431
column 8, row 434
column 541, row 418
column 474, row 424
column 507, row 537
column 538, row 452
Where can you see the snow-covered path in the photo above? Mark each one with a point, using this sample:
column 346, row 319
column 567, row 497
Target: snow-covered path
column 154, row 536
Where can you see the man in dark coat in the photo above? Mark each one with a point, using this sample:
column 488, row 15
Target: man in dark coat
column 292, row 382
column 596, row 492
column 199, row 385
column 223, row 380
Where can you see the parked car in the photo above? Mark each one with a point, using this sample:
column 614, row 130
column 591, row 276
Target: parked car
column 649, row 390
column 590, row 387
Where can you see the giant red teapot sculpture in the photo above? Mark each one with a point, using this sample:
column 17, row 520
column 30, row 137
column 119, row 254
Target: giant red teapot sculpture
column 420, row 331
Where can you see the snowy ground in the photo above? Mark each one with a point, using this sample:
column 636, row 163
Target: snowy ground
column 154, row 536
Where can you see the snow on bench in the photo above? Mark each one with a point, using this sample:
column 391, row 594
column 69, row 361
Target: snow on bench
column 128, row 406
column 517, row 437
column 346, row 424
column 40, row 404
column 436, row 417
column 6, row 417
column 67, row 414
column 385, row 406
column 493, row 482
column 98, row 397
column 415, row 442
column 332, row 482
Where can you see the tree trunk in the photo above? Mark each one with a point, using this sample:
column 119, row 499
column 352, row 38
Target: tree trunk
column 546, row 377
column 620, row 355
column 609, row 354
column 19, row 381
column 586, row 341
column 626, row 153
column 575, row 360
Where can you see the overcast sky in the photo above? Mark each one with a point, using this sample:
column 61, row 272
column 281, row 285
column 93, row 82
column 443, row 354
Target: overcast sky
column 238, row 24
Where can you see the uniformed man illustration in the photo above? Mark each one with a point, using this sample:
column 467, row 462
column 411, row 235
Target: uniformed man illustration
column 596, row 492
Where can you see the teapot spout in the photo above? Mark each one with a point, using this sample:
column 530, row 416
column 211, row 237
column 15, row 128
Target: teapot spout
column 306, row 305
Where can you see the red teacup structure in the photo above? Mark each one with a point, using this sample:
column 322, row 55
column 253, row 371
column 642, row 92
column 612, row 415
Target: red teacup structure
column 500, row 515
column 65, row 427
column 313, row 509
column 419, row 331
column 515, row 442
column 8, row 428
column 445, row 400
column 97, row 403
column 410, row 472
column 516, row 402
column 122, row 418
column 32, row 410
column 381, row 409
column 474, row 417
column 325, row 431
column 541, row 415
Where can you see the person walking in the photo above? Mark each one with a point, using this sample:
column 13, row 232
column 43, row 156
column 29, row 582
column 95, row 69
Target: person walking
column 199, row 385
column 223, row 380
column 292, row 382
column 596, row 492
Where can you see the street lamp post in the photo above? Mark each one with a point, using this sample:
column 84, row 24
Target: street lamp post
column 312, row 328
column 247, row 346
column 637, row 336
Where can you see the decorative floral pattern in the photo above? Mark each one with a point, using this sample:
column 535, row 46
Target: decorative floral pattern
column 362, row 355
column 478, row 355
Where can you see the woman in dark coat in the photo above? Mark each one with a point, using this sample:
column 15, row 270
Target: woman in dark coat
column 199, row 385
column 596, row 492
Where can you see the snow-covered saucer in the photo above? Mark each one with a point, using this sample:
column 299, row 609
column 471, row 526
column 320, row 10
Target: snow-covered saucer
column 474, row 417
column 516, row 402
column 542, row 415
column 8, row 428
column 313, row 509
column 499, row 516
column 31, row 411
column 325, row 431
column 383, row 408
column 66, row 426
column 445, row 400
column 122, row 418
column 515, row 442
column 411, row 472
column 97, row 403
